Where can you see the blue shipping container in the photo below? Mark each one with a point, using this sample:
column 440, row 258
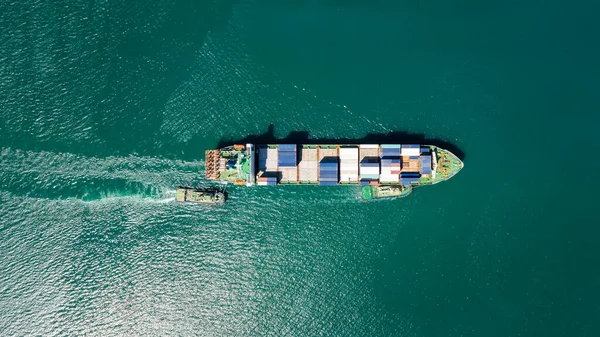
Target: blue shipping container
column 287, row 147
column 326, row 168
column 426, row 164
column 328, row 183
column 390, row 153
column 406, row 181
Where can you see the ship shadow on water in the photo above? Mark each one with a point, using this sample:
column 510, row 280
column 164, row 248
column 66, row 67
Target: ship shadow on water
column 303, row 137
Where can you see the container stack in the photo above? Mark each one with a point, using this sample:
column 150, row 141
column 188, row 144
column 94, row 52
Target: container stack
column 369, row 169
column 390, row 163
column 410, row 150
column 369, row 164
column 425, row 164
column 328, row 172
column 349, row 165
column 287, row 155
column 266, row 181
column 390, row 151
column 407, row 178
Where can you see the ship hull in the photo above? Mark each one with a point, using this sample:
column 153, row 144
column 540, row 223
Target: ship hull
column 332, row 165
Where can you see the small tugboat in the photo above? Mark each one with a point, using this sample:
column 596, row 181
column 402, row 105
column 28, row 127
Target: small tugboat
column 385, row 192
column 208, row 196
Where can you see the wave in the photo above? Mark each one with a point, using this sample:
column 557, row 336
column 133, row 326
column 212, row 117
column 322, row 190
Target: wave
column 69, row 176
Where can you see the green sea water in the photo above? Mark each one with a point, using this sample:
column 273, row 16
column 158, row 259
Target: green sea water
column 106, row 106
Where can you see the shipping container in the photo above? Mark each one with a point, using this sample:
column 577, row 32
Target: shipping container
column 267, row 181
column 366, row 170
column 425, row 165
column 389, row 178
column 349, row 153
column 410, row 150
column 406, row 181
column 369, row 164
column 287, row 155
column 328, row 170
column 390, row 153
column 287, row 147
column 390, row 162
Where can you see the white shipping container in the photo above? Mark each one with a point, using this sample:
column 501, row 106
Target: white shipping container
column 349, row 153
column 410, row 151
column 348, row 178
column 369, row 146
column 369, row 170
column 389, row 177
column 349, row 168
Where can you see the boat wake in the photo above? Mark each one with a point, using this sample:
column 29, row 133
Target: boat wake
column 48, row 175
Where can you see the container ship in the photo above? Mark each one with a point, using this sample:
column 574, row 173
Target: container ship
column 383, row 170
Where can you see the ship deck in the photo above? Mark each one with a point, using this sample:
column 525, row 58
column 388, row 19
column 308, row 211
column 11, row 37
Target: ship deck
column 300, row 164
column 308, row 168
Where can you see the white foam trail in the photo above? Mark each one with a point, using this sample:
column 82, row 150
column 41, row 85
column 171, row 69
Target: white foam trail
column 164, row 201
column 38, row 174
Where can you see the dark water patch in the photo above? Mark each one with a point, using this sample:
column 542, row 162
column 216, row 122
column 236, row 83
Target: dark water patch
column 147, row 67
column 94, row 78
